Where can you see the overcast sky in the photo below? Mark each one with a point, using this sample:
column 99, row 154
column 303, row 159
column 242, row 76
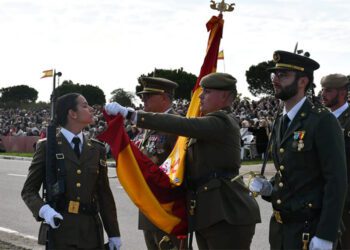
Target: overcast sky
column 110, row 43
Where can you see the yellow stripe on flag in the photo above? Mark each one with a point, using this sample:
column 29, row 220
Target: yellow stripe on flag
column 47, row 73
column 132, row 180
column 221, row 55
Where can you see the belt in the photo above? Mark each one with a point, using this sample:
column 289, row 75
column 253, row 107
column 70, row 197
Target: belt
column 298, row 216
column 76, row 207
column 194, row 184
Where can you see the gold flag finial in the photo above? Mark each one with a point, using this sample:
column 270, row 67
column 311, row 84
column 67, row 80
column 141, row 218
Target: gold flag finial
column 222, row 7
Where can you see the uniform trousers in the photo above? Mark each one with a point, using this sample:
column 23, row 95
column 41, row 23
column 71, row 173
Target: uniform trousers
column 223, row 235
column 345, row 238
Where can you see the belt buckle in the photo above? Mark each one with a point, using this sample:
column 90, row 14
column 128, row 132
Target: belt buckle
column 278, row 217
column 73, row 207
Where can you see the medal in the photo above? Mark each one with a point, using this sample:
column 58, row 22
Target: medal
column 298, row 140
column 300, row 145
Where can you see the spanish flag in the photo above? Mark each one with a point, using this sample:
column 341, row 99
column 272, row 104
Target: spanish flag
column 160, row 196
column 221, row 55
column 47, row 73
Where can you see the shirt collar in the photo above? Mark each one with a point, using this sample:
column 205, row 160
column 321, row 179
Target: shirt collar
column 340, row 110
column 293, row 112
column 69, row 135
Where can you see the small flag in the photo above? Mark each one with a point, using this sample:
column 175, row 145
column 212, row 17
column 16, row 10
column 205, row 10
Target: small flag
column 47, row 73
column 221, row 55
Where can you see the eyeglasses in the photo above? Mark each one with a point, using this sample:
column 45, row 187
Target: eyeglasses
column 146, row 96
column 280, row 74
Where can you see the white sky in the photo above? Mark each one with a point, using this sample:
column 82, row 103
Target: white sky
column 110, row 43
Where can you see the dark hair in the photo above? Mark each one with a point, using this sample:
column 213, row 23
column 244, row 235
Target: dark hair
column 63, row 105
column 309, row 75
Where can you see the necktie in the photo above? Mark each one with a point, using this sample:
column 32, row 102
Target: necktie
column 76, row 142
column 285, row 122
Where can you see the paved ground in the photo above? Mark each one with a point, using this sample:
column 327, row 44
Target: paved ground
column 18, row 229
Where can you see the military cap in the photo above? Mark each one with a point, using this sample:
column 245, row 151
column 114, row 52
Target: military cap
column 334, row 81
column 291, row 61
column 220, row 81
column 156, row 85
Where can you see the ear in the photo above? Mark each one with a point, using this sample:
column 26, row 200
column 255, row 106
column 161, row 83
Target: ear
column 72, row 114
column 303, row 82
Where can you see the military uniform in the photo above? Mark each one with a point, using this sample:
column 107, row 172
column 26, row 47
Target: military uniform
column 309, row 186
column 336, row 81
column 86, row 182
column 223, row 210
column 156, row 146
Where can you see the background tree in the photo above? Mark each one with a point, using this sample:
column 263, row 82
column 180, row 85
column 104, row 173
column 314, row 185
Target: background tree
column 259, row 80
column 185, row 80
column 18, row 95
column 122, row 97
column 93, row 94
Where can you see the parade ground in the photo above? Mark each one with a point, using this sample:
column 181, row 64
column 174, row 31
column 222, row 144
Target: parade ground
column 18, row 228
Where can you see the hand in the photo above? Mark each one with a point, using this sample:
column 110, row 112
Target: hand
column 320, row 244
column 115, row 108
column 260, row 185
column 50, row 215
column 114, row 243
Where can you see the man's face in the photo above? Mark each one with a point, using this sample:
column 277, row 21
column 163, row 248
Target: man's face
column 211, row 100
column 285, row 84
column 330, row 97
column 84, row 112
column 152, row 102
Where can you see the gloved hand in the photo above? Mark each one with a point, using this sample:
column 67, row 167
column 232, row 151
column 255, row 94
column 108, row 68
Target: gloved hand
column 115, row 108
column 260, row 185
column 114, row 243
column 320, row 244
column 49, row 214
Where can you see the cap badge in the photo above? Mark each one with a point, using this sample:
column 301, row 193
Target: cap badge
column 276, row 57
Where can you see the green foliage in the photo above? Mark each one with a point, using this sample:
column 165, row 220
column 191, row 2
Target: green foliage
column 258, row 79
column 185, row 80
column 93, row 94
column 17, row 95
column 122, row 97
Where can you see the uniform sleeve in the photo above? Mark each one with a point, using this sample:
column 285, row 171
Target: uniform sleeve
column 210, row 127
column 331, row 151
column 108, row 210
column 35, row 177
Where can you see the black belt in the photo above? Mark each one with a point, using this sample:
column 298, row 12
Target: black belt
column 298, row 216
column 194, row 184
column 76, row 207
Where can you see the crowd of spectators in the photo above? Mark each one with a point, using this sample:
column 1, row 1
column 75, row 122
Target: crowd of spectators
column 254, row 117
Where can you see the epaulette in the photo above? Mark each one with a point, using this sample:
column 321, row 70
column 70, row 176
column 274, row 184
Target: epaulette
column 97, row 141
column 319, row 109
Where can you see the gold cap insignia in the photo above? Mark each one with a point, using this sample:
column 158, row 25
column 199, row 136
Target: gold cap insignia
column 276, row 57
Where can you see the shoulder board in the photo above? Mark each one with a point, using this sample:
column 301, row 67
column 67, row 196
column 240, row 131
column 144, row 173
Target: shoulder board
column 319, row 109
column 93, row 140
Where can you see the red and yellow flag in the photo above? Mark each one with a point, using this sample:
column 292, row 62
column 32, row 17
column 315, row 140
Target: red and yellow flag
column 157, row 194
column 47, row 73
column 221, row 55
column 176, row 158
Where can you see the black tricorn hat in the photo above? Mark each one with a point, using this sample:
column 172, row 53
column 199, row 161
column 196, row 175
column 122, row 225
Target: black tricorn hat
column 154, row 85
column 291, row 61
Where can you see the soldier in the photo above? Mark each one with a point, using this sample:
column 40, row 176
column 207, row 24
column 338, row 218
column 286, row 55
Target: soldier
column 88, row 195
column 222, row 213
column 307, row 192
column 334, row 96
column 157, row 96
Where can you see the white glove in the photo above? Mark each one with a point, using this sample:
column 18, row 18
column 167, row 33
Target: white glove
column 115, row 108
column 320, row 244
column 260, row 185
column 114, row 243
column 49, row 214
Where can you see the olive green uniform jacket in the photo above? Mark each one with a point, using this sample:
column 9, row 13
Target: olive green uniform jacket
column 344, row 120
column 214, row 147
column 311, row 177
column 86, row 182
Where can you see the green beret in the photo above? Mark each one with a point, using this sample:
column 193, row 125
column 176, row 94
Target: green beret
column 290, row 61
column 220, row 81
column 153, row 85
column 334, row 81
